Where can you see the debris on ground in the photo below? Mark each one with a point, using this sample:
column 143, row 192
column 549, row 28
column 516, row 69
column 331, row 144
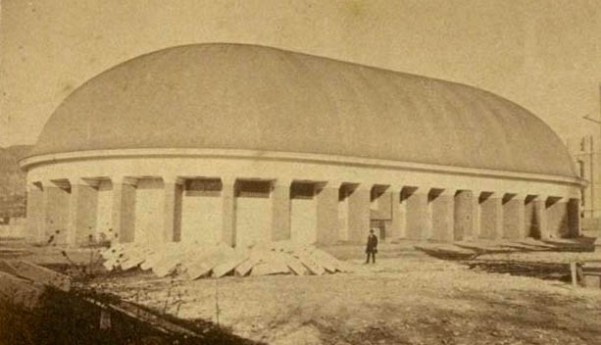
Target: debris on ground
column 446, row 251
column 542, row 257
column 409, row 299
column 194, row 260
column 476, row 248
column 38, row 304
column 406, row 297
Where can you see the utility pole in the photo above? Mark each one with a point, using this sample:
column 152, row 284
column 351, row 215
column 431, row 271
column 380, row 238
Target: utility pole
column 593, row 161
column 598, row 240
column 592, row 184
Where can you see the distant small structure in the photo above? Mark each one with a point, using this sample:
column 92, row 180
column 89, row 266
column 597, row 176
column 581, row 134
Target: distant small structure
column 13, row 205
column 12, row 227
column 12, row 215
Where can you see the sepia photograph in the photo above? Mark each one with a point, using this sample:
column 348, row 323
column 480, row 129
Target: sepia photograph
column 300, row 172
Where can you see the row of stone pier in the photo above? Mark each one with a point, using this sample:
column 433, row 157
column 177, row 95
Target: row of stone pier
column 68, row 209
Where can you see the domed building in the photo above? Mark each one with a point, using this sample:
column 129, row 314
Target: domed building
column 244, row 144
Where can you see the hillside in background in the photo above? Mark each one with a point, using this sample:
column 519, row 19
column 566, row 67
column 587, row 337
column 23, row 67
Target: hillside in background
column 12, row 181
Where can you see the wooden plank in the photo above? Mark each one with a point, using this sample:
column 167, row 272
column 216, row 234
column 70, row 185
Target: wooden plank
column 145, row 316
column 154, row 256
column 436, row 252
column 109, row 265
column 133, row 259
column 13, row 252
column 485, row 247
column 203, row 265
column 7, row 267
column 163, row 268
column 445, row 248
column 19, row 291
column 323, row 261
column 573, row 274
column 270, row 268
column 146, row 265
column 311, row 265
column 256, row 256
column 536, row 243
column 131, row 263
column 296, row 266
column 245, row 267
column 168, row 263
column 42, row 275
column 523, row 246
column 340, row 265
column 229, row 265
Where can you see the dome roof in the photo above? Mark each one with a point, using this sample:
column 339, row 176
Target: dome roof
column 233, row 96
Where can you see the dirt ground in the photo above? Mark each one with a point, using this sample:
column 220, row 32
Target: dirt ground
column 411, row 299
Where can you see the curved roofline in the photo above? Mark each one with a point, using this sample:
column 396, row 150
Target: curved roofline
column 30, row 162
column 492, row 104
column 285, row 50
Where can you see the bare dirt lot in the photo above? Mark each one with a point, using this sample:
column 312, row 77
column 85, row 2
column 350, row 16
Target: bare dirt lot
column 409, row 299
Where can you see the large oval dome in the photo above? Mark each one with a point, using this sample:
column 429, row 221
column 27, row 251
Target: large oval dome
column 232, row 96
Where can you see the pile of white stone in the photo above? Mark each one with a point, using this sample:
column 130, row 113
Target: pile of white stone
column 194, row 260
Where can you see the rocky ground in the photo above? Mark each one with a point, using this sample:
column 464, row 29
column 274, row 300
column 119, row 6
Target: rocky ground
column 410, row 298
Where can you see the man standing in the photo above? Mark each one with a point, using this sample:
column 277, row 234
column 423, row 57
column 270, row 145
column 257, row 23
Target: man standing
column 372, row 247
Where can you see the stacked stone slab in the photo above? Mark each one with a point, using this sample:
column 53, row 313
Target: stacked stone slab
column 193, row 261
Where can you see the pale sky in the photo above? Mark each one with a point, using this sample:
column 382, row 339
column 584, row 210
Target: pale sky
column 542, row 54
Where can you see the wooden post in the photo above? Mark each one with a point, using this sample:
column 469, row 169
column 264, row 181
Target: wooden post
column 574, row 274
